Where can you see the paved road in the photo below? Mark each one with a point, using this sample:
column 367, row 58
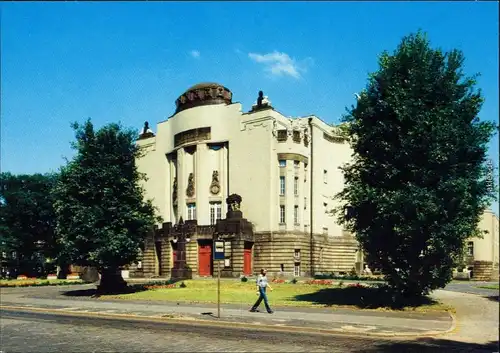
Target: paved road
column 340, row 320
column 471, row 288
column 41, row 332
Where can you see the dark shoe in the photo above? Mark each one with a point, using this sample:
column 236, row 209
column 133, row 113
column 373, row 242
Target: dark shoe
column 270, row 312
column 253, row 310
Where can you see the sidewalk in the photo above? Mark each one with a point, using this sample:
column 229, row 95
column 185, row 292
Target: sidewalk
column 295, row 319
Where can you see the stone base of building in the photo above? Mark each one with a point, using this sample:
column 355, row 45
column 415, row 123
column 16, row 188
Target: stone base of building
column 288, row 254
column 483, row 271
column 283, row 254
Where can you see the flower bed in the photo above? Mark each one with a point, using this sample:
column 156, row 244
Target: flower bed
column 276, row 280
column 161, row 286
column 51, row 277
column 73, row 276
column 357, row 285
column 321, row 282
column 36, row 283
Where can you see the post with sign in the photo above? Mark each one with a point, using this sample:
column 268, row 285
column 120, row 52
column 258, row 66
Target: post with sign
column 218, row 256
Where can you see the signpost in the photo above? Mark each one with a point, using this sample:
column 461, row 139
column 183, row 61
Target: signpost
column 218, row 256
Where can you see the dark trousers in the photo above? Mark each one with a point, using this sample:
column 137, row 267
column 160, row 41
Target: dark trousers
column 263, row 295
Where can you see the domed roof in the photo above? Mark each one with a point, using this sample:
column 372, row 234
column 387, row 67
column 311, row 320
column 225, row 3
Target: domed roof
column 205, row 93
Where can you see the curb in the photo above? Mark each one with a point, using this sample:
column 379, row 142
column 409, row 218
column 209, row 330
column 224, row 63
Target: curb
column 224, row 324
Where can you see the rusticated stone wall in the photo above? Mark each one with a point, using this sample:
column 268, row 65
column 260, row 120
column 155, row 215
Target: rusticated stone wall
column 330, row 254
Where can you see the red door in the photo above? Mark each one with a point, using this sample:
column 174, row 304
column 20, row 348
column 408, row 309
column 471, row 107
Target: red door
column 247, row 259
column 174, row 253
column 205, row 259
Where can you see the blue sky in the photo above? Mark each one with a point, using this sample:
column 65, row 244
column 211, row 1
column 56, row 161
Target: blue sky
column 128, row 62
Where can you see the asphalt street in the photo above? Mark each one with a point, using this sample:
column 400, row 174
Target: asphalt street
column 42, row 332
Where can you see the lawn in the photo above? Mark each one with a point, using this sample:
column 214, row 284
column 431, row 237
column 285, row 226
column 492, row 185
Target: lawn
column 36, row 282
column 490, row 286
column 284, row 294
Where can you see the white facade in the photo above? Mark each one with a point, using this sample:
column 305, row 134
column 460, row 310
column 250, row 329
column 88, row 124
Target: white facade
column 268, row 159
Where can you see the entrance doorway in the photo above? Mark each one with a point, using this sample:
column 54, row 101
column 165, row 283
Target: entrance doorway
column 204, row 257
column 174, row 253
column 247, row 258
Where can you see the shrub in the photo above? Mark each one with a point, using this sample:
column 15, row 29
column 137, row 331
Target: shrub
column 294, row 281
column 183, row 285
column 244, row 279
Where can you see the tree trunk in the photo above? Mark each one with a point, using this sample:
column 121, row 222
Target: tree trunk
column 111, row 281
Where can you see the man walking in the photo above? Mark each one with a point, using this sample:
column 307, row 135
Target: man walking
column 262, row 285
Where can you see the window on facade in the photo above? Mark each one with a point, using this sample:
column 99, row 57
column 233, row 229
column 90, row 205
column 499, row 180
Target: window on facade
column 227, row 254
column 296, row 255
column 296, row 269
column 282, row 214
column 282, row 135
column 305, row 203
column 325, row 176
column 282, row 185
column 296, row 214
column 470, row 248
column 296, row 136
column 191, row 214
column 296, row 186
column 296, row 164
column 215, row 212
column 282, row 163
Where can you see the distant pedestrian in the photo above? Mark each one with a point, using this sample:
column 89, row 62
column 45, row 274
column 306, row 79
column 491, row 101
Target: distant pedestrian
column 262, row 285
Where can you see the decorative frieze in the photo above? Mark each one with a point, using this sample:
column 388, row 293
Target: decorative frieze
column 193, row 135
column 203, row 94
column 293, row 157
column 333, row 139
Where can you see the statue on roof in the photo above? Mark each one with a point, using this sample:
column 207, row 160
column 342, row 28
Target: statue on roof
column 262, row 102
column 146, row 132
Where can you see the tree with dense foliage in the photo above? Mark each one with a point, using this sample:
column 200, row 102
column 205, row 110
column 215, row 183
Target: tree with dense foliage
column 27, row 223
column 102, row 215
column 418, row 183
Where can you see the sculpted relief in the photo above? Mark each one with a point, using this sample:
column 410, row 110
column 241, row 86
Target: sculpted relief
column 215, row 185
column 190, row 187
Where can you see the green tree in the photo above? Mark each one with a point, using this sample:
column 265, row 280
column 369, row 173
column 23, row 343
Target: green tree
column 418, row 182
column 102, row 215
column 27, row 222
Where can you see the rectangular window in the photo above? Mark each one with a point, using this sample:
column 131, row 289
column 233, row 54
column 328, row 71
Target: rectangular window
column 296, row 255
column 215, row 212
column 282, row 185
column 296, row 214
column 282, row 135
column 282, row 214
column 470, row 248
column 325, row 176
column 296, row 186
column 191, row 214
column 282, row 163
column 296, row 164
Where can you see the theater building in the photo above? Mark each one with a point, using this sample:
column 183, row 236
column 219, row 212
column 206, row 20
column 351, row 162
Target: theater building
column 286, row 171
